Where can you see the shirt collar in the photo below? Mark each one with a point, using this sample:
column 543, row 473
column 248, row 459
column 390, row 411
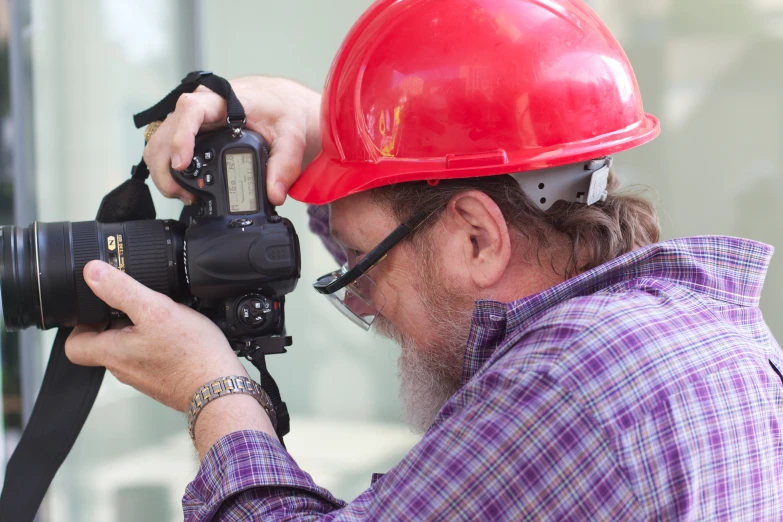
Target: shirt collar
column 487, row 331
column 727, row 269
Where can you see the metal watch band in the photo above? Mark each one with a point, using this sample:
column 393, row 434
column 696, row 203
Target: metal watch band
column 213, row 390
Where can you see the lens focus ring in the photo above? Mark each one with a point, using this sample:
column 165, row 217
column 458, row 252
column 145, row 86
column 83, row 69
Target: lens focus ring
column 90, row 309
column 146, row 259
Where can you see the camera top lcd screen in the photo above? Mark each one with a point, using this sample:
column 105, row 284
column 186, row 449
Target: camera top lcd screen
column 241, row 179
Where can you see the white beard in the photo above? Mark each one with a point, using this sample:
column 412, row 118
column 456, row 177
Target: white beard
column 430, row 375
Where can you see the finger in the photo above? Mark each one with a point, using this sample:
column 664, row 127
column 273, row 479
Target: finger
column 88, row 346
column 120, row 323
column 285, row 164
column 122, row 292
column 158, row 159
column 193, row 110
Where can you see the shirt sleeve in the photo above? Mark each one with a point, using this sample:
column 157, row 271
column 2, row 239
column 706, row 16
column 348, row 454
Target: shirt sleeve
column 319, row 225
column 507, row 447
column 248, row 475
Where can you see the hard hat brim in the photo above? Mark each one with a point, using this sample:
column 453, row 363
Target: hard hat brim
column 327, row 179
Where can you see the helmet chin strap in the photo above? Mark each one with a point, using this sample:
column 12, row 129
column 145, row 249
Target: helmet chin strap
column 574, row 183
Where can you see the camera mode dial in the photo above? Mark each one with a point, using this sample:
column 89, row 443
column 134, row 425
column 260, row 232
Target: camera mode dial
column 253, row 309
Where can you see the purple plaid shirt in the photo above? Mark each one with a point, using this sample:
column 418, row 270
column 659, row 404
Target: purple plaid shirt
column 647, row 388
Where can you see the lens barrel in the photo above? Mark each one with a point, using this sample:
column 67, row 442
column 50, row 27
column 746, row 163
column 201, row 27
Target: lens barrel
column 18, row 283
column 41, row 268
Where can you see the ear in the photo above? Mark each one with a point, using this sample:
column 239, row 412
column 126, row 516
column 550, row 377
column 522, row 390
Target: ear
column 479, row 231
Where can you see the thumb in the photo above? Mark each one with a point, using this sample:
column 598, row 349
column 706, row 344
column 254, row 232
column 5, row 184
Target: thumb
column 120, row 291
column 285, row 165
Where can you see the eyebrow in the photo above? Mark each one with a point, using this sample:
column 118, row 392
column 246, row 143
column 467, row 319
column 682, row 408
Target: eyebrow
column 341, row 239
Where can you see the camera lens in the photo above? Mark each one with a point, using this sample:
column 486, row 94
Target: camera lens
column 41, row 268
column 20, row 300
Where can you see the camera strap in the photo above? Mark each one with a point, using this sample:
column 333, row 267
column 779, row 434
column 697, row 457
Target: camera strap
column 234, row 111
column 67, row 393
column 269, row 386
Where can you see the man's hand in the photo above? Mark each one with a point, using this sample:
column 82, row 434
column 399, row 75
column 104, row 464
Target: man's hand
column 285, row 113
column 168, row 352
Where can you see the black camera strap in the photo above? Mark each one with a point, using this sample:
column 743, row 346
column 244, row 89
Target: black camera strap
column 68, row 391
column 158, row 112
column 270, row 388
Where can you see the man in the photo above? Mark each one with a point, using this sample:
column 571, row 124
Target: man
column 560, row 362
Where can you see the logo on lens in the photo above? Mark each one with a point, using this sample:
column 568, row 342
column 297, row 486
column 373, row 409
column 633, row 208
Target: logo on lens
column 112, row 243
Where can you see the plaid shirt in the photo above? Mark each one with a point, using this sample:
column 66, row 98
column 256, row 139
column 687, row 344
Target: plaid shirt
column 647, row 388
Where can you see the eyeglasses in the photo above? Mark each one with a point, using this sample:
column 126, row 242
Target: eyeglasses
column 351, row 290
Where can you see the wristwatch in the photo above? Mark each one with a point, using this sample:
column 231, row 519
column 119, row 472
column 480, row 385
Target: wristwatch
column 213, row 390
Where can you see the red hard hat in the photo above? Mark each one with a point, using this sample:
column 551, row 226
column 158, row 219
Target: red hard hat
column 437, row 89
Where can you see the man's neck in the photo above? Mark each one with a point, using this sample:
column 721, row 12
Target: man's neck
column 527, row 275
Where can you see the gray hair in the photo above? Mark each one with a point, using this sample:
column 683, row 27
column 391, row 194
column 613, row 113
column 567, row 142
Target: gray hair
column 596, row 234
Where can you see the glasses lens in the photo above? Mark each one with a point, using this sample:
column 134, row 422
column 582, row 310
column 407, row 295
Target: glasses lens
column 360, row 301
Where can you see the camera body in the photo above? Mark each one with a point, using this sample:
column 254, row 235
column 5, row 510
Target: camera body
column 231, row 257
column 240, row 258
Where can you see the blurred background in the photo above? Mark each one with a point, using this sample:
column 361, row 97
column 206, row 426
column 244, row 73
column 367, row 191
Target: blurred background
column 72, row 74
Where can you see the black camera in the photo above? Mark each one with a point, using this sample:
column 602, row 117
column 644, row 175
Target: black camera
column 233, row 258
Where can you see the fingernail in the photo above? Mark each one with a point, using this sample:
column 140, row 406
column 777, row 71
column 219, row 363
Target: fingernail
column 186, row 201
column 280, row 188
column 176, row 160
column 97, row 271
